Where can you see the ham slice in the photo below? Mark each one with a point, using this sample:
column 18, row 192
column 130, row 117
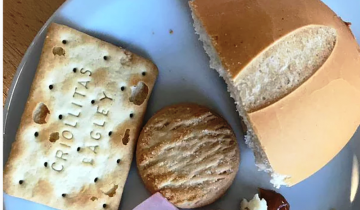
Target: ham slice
column 155, row 202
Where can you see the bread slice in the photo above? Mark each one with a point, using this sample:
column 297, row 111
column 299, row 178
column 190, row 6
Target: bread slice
column 295, row 79
column 76, row 139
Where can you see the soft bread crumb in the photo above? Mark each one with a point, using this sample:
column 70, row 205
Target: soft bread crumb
column 254, row 204
column 284, row 66
column 278, row 180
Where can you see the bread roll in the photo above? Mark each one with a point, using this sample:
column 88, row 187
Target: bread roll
column 293, row 68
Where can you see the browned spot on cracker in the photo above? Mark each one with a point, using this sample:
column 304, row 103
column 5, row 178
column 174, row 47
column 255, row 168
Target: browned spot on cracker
column 58, row 51
column 117, row 134
column 54, row 137
column 134, row 80
column 112, row 87
column 41, row 113
column 139, row 93
column 42, row 187
column 126, row 59
column 112, row 191
column 126, row 136
column 86, row 193
column 100, row 76
column 44, row 135
column 69, row 83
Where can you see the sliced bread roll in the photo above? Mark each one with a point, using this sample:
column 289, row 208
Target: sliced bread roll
column 293, row 68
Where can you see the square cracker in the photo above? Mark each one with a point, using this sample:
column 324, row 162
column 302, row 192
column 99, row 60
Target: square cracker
column 75, row 142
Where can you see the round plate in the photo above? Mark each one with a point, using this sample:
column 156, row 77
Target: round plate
column 144, row 28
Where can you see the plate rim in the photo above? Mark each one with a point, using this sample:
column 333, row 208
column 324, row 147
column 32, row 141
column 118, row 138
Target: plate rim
column 22, row 63
column 24, row 60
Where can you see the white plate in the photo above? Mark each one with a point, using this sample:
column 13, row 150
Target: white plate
column 143, row 27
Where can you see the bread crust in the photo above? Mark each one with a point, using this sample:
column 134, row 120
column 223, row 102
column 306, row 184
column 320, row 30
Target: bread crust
column 189, row 154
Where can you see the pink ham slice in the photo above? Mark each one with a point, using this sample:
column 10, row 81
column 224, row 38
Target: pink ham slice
column 155, row 202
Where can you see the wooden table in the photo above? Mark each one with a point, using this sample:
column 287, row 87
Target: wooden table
column 22, row 20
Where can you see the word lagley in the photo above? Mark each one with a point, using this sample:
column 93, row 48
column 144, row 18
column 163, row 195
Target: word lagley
column 95, row 134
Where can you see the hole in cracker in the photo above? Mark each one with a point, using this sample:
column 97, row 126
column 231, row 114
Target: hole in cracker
column 51, row 87
column 139, row 93
column 118, row 161
column 105, row 57
column 96, row 179
column 63, row 195
column 60, row 117
column 36, row 134
column 122, row 88
column 143, row 73
column 58, row 51
column 93, row 198
column 64, row 41
column 74, row 70
column 125, row 139
column 40, row 113
column 112, row 191
column 104, row 205
column 54, row 137
column 78, row 149
column 92, row 101
column 110, row 133
column 45, row 164
column 131, row 115
column 21, row 181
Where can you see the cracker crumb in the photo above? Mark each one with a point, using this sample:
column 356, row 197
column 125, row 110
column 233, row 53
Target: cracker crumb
column 171, row 31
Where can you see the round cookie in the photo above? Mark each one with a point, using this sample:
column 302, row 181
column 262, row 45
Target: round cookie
column 189, row 154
